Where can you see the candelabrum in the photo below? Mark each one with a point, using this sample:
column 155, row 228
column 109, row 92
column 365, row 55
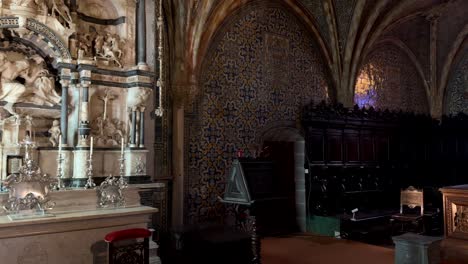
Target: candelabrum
column 60, row 184
column 89, row 171
column 122, row 170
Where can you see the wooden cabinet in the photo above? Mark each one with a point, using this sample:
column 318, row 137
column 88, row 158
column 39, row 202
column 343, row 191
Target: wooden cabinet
column 456, row 211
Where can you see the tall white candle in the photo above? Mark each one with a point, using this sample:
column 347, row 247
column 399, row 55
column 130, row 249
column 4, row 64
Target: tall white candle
column 122, row 147
column 91, row 148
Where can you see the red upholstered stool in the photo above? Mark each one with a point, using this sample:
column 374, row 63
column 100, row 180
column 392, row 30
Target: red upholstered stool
column 129, row 246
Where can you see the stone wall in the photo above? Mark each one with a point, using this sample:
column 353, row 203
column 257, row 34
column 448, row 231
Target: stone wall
column 456, row 97
column 388, row 80
column 262, row 67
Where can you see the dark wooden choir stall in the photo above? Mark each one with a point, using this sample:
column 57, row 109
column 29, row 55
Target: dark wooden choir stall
column 359, row 160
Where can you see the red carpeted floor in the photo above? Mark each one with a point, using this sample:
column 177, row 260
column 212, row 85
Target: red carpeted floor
column 309, row 249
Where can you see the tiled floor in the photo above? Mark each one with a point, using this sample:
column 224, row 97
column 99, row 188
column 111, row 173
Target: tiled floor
column 310, row 249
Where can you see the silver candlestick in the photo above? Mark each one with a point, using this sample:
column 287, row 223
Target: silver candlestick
column 123, row 182
column 89, row 171
column 60, row 184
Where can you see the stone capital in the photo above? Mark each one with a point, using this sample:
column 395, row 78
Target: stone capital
column 65, row 72
column 85, row 84
column 65, row 83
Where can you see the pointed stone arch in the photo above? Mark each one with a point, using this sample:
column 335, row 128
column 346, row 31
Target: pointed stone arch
column 406, row 50
column 221, row 13
column 37, row 35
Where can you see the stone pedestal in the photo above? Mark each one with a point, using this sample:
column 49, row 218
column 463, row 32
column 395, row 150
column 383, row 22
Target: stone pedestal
column 135, row 162
column 416, row 249
column 80, row 158
column 106, row 162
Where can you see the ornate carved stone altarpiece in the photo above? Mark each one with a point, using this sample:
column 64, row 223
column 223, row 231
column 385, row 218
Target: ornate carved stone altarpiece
column 72, row 69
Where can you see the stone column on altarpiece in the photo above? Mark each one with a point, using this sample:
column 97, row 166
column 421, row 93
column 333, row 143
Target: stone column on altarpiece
column 141, row 33
column 64, row 112
column 142, row 128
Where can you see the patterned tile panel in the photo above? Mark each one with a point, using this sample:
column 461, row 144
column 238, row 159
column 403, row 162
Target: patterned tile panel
column 315, row 7
column 415, row 33
column 344, row 10
column 388, row 80
column 261, row 68
column 456, row 96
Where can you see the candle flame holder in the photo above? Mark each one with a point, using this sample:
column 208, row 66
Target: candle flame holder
column 122, row 180
column 89, row 172
column 60, row 184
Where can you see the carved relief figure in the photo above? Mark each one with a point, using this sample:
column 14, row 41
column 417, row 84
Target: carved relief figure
column 23, row 3
column 114, row 43
column 42, row 6
column 98, row 43
column 85, row 44
column 59, row 9
column 110, row 131
column 137, row 97
column 54, row 133
column 43, row 86
column 103, row 46
column 461, row 219
column 140, row 167
column 37, row 88
column 13, row 90
column 110, row 49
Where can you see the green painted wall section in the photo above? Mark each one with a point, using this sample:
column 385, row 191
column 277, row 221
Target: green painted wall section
column 322, row 225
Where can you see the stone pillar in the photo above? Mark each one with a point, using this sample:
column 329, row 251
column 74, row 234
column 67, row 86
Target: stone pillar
column 141, row 33
column 178, row 167
column 183, row 94
column 435, row 98
column 133, row 128
column 85, row 94
column 64, row 112
column 142, row 128
column 85, row 71
column 65, row 80
column 84, row 130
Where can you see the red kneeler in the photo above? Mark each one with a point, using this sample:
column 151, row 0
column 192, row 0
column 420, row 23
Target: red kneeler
column 125, row 246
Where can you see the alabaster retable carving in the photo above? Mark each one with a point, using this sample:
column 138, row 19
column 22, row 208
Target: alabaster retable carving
column 74, row 69
column 38, row 87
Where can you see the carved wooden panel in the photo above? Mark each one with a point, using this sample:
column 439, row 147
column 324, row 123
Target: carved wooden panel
column 316, row 146
column 382, row 147
column 456, row 211
column 367, row 147
column 351, row 142
column 334, row 146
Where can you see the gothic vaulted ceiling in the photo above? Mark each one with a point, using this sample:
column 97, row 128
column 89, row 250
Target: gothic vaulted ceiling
column 346, row 30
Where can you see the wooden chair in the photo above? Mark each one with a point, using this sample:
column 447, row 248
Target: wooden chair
column 413, row 199
column 129, row 246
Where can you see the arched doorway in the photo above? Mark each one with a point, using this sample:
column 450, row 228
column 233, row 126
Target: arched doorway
column 286, row 146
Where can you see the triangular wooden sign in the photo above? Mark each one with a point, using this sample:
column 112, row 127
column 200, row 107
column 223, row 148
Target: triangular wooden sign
column 236, row 186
